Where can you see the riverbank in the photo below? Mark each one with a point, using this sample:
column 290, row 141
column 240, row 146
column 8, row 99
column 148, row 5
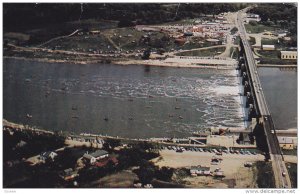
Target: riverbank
column 175, row 62
column 90, row 140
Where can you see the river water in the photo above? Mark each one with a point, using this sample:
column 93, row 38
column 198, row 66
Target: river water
column 280, row 89
column 127, row 101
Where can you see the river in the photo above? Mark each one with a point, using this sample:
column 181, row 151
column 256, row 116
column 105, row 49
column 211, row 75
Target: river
column 127, row 101
column 280, row 89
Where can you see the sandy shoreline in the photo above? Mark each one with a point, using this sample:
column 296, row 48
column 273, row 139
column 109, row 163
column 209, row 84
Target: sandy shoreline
column 150, row 62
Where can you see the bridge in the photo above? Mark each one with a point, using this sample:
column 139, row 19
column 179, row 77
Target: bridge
column 258, row 108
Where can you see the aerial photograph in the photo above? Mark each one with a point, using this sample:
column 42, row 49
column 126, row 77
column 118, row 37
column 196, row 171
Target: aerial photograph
column 149, row 95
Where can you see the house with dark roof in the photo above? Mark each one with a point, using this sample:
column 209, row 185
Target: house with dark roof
column 97, row 155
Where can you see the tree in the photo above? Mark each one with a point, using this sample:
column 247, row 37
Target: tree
column 165, row 173
column 112, row 143
column 125, row 23
column 146, row 54
column 146, row 172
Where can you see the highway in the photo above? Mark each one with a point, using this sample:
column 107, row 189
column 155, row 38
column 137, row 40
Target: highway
column 282, row 179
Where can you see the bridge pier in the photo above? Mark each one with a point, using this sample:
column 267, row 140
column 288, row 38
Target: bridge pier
column 246, row 88
column 251, row 112
column 243, row 69
column 244, row 78
column 249, row 99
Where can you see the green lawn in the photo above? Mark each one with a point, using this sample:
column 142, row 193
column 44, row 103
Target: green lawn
column 258, row 28
column 269, row 41
column 269, row 54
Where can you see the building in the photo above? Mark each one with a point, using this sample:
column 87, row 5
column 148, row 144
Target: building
column 281, row 34
column 286, row 143
column 254, row 17
column 104, row 161
column 69, row 174
column 266, row 47
column 97, row 155
column 288, row 55
column 47, row 155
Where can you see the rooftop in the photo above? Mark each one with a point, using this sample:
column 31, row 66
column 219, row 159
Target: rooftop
column 285, row 140
column 95, row 154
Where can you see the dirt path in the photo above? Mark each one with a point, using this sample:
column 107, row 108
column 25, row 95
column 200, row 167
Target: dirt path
column 60, row 37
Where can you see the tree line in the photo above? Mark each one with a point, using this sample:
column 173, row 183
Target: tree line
column 20, row 16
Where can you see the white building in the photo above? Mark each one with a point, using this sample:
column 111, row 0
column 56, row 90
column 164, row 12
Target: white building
column 288, row 55
column 93, row 157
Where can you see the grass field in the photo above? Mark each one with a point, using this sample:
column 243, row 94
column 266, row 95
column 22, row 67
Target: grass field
column 269, row 41
column 258, row 28
column 265, row 175
column 269, row 54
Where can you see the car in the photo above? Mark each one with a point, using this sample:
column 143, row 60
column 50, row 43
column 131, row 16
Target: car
column 179, row 150
column 253, row 153
column 283, row 174
column 200, row 149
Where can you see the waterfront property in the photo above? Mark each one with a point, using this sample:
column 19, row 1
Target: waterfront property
column 292, row 55
column 286, row 143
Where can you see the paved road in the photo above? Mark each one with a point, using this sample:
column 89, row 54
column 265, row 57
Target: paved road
column 282, row 179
